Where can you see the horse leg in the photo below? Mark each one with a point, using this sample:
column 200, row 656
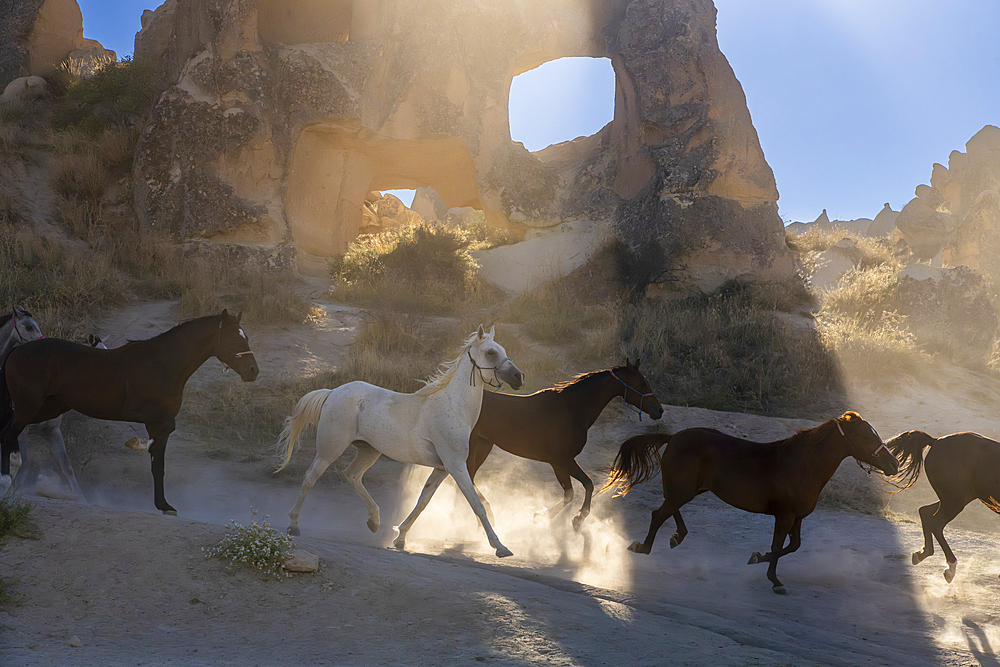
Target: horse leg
column 365, row 458
column 50, row 431
column 479, row 449
column 159, row 432
column 460, row 473
column 945, row 514
column 782, row 526
column 926, row 513
column 681, row 531
column 438, row 475
column 316, row 470
column 562, row 475
column 588, row 486
column 8, row 449
column 660, row 514
column 794, row 542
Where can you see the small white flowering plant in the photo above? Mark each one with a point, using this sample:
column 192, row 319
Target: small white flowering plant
column 258, row 546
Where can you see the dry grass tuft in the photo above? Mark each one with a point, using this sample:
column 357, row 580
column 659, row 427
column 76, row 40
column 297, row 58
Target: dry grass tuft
column 82, row 177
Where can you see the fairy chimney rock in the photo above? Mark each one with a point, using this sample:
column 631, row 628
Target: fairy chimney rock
column 282, row 116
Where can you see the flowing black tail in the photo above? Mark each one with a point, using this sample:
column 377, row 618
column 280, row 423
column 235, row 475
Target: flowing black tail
column 638, row 459
column 909, row 449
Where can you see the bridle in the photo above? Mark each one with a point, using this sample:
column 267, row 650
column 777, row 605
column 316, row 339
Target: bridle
column 225, row 366
column 477, row 367
column 637, row 410
column 874, row 454
column 20, row 338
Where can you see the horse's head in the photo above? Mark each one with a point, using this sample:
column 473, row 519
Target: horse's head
column 864, row 444
column 487, row 354
column 233, row 349
column 636, row 389
column 24, row 326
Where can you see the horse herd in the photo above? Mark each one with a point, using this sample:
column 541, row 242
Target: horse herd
column 451, row 425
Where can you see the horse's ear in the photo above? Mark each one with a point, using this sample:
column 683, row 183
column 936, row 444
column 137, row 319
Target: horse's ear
column 637, row 362
column 493, row 329
column 849, row 415
column 238, row 316
column 628, row 364
column 225, row 313
column 481, row 333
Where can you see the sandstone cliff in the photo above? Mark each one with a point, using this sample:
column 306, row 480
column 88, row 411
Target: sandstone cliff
column 281, row 117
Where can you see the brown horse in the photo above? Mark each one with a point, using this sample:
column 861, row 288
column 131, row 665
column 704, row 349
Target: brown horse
column 961, row 467
column 782, row 478
column 549, row 426
column 142, row 381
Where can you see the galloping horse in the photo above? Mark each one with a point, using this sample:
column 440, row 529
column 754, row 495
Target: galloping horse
column 21, row 328
column 782, row 478
column 142, row 381
column 430, row 427
column 549, row 426
column 961, row 467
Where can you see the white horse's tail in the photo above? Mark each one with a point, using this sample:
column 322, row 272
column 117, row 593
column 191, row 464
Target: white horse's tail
column 307, row 411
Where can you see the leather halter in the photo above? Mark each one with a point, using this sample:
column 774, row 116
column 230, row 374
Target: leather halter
column 225, row 366
column 477, row 367
column 874, row 454
column 628, row 405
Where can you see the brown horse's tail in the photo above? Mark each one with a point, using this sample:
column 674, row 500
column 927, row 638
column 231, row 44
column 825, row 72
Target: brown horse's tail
column 909, row 449
column 638, row 459
column 992, row 503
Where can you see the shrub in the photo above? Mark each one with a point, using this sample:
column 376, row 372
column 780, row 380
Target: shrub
column 119, row 94
column 731, row 350
column 13, row 513
column 874, row 251
column 82, row 177
column 413, row 269
column 257, row 546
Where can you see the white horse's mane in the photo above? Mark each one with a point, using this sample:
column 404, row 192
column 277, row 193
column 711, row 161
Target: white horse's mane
column 440, row 380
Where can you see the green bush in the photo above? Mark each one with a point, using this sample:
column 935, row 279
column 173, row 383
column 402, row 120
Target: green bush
column 118, row 95
column 13, row 513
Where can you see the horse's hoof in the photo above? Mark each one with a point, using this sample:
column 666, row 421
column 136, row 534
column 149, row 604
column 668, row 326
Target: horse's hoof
column 538, row 517
column 638, row 547
column 399, row 543
column 503, row 552
column 916, row 558
column 577, row 522
column 674, row 541
column 373, row 524
column 293, row 531
column 170, row 512
column 949, row 574
column 780, row 590
column 137, row 445
column 754, row 558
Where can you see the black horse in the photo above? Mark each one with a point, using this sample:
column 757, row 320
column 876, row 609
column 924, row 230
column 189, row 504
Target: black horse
column 142, row 381
column 961, row 467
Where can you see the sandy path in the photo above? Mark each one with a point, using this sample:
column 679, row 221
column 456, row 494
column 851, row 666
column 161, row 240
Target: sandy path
column 134, row 587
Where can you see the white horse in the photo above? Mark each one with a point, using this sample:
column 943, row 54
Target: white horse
column 430, row 427
column 20, row 327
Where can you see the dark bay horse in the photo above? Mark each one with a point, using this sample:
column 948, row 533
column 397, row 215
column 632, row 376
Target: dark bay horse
column 142, row 381
column 782, row 478
column 961, row 467
column 549, row 426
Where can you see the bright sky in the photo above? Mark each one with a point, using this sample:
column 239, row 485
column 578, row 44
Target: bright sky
column 853, row 100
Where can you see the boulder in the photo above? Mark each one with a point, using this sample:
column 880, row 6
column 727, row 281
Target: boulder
column 36, row 37
column 85, row 62
column 301, row 560
column 925, row 229
column 544, row 255
column 24, row 86
column 830, row 264
column 342, row 98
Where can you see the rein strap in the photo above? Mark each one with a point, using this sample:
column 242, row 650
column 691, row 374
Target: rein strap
column 628, row 405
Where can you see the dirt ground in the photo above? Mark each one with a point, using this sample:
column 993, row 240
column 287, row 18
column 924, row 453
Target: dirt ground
column 135, row 588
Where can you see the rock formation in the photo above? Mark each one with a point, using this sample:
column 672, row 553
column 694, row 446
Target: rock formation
column 37, row 36
column 281, row 117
